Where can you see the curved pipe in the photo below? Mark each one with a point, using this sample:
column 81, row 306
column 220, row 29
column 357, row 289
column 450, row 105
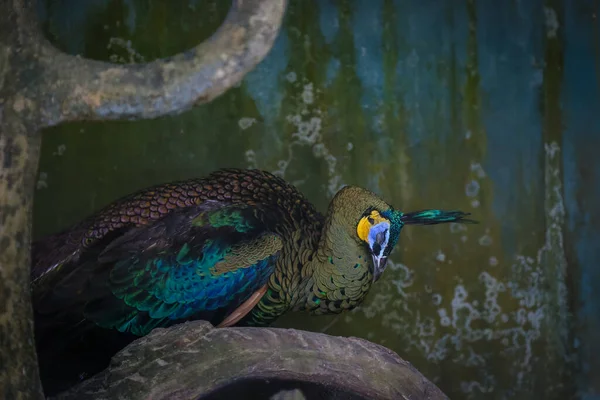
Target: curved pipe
column 85, row 89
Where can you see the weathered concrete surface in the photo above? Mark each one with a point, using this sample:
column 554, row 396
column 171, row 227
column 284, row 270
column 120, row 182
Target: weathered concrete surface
column 41, row 86
column 194, row 359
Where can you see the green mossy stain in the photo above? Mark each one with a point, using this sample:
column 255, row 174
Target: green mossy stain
column 558, row 278
column 348, row 124
column 476, row 144
column 298, row 131
column 596, row 24
column 551, row 88
column 395, row 164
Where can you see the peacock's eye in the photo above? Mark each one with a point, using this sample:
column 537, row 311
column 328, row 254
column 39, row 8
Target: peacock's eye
column 368, row 221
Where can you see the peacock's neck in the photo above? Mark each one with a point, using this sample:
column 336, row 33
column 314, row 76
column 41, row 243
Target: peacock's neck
column 337, row 277
column 326, row 274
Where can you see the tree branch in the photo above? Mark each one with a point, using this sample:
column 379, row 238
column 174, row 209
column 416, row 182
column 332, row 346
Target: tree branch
column 19, row 154
column 84, row 89
column 192, row 360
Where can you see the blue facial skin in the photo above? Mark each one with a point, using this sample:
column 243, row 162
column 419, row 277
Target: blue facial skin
column 378, row 238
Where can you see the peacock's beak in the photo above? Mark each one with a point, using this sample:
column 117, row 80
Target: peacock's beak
column 378, row 266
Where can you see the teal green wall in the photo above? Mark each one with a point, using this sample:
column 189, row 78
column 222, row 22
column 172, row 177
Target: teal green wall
column 489, row 107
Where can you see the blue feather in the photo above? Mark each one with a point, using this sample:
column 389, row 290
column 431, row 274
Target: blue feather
column 154, row 285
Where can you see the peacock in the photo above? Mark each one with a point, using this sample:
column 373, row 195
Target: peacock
column 237, row 247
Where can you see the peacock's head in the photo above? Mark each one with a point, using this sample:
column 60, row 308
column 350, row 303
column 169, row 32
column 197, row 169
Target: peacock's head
column 377, row 225
column 379, row 230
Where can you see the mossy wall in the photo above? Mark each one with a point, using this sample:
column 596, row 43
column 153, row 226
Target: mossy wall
column 488, row 107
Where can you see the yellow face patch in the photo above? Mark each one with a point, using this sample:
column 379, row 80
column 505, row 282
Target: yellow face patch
column 365, row 224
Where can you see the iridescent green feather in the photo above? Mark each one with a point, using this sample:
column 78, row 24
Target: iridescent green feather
column 216, row 260
column 432, row 217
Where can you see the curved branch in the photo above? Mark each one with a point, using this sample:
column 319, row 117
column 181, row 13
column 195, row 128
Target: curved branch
column 192, row 360
column 84, row 89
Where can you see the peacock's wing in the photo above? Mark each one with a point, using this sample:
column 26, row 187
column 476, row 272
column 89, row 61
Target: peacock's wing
column 195, row 263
